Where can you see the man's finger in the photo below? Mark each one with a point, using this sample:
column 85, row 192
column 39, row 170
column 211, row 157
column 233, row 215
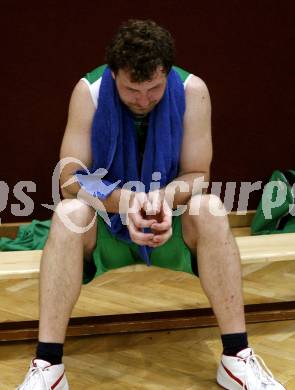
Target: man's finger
column 141, row 222
column 138, row 236
column 160, row 239
column 161, row 226
column 154, row 203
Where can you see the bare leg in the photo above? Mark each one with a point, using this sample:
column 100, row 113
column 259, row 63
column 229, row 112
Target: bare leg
column 62, row 269
column 210, row 238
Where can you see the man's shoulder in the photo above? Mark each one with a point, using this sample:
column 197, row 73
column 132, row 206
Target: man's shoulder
column 95, row 74
column 182, row 73
column 192, row 84
column 93, row 80
column 197, row 101
column 196, row 87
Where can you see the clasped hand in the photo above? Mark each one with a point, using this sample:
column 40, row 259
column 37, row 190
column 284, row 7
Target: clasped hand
column 149, row 211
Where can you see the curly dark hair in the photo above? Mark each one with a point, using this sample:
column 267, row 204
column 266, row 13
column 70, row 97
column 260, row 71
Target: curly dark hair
column 140, row 46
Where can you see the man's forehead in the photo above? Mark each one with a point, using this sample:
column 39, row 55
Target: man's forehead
column 158, row 75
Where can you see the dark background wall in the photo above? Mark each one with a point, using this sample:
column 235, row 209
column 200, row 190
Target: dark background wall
column 243, row 50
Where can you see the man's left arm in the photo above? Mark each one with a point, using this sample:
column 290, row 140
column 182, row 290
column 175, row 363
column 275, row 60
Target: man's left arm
column 196, row 151
column 195, row 161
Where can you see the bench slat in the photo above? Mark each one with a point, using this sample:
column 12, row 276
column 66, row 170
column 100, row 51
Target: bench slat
column 253, row 249
column 20, row 264
column 267, row 248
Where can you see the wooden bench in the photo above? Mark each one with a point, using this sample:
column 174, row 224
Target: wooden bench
column 253, row 249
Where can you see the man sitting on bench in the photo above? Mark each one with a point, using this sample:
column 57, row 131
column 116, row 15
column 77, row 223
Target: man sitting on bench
column 140, row 119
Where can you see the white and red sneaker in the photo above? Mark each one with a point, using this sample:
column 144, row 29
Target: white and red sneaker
column 44, row 376
column 245, row 371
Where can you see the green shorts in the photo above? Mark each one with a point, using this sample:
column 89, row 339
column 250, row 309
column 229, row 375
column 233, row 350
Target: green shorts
column 111, row 252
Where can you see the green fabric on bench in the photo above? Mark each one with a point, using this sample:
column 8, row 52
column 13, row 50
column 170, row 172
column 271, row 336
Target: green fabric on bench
column 29, row 237
column 282, row 220
column 33, row 237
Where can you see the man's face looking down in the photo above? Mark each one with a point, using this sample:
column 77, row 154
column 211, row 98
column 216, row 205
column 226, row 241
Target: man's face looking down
column 141, row 97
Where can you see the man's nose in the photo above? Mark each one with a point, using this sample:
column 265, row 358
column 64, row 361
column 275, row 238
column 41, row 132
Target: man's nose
column 143, row 101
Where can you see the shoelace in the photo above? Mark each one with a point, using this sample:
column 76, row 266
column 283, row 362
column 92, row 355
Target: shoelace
column 33, row 375
column 262, row 373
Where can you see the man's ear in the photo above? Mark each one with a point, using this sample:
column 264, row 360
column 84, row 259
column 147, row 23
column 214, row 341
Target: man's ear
column 113, row 75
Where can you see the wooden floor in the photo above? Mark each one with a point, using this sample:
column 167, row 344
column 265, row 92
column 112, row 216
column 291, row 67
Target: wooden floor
column 184, row 359
column 180, row 360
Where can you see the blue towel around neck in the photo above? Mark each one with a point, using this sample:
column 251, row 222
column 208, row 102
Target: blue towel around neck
column 115, row 150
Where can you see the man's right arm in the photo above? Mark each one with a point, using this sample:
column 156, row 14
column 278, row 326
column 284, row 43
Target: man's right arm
column 77, row 144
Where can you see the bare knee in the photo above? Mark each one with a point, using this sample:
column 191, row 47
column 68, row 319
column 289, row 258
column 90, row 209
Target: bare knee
column 206, row 213
column 74, row 219
column 207, row 206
